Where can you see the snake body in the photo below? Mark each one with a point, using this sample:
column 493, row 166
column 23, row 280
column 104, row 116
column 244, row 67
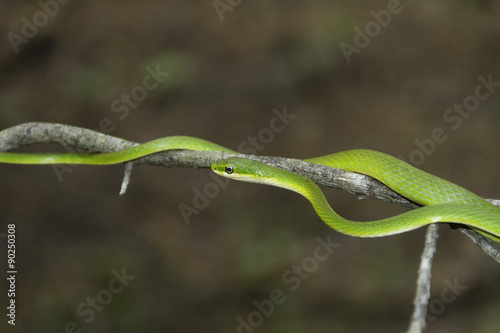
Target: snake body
column 461, row 207
column 125, row 155
column 443, row 201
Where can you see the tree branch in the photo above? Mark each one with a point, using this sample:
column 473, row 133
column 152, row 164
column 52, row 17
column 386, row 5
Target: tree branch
column 88, row 141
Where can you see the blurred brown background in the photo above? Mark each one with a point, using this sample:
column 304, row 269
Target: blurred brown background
column 229, row 65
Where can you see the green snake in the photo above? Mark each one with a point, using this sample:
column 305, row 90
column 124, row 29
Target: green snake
column 443, row 201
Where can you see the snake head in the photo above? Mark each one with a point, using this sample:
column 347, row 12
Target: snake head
column 226, row 168
column 252, row 171
column 241, row 169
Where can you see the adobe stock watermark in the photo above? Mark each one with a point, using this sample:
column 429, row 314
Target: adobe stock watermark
column 372, row 29
column 30, row 26
column 139, row 93
column 223, row 6
column 87, row 309
column 251, row 145
column 291, row 280
column 122, row 107
column 447, row 296
column 453, row 117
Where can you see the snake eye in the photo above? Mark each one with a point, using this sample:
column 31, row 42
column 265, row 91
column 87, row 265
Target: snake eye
column 229, row 169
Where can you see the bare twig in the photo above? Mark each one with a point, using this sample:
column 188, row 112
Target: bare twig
column 423, row 293
column 126, row 177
